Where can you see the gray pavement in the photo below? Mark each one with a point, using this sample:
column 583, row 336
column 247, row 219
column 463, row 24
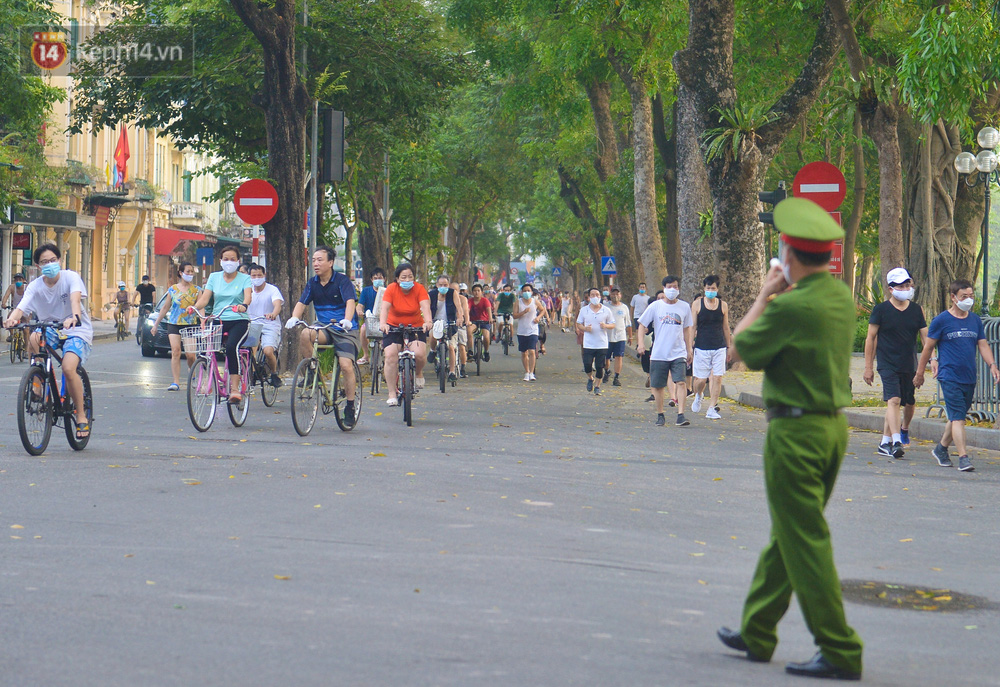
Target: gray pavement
column 526, row 534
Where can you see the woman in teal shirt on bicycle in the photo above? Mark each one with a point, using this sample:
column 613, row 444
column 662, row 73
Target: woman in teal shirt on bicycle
column 230, row 288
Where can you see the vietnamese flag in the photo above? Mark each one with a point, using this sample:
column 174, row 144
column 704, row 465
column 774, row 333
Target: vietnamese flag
column 121, row 158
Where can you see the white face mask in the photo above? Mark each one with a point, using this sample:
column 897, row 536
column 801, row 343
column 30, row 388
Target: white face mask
column 230, row 266
column 257, row 281
column 187, row 277
column 595, row 300
column 965, row 305
column 902, row 294
column 671, row 293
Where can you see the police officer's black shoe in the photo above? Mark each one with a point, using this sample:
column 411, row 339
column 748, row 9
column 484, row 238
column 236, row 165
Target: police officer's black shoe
column 734, row 640
column 820, row 667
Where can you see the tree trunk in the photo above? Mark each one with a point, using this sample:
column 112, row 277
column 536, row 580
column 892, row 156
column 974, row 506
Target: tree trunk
column 372, row 244
column 694, row 198
column 606, row 163
column 647, row 225
column 667, row 147
column 854, row 219
column 285, row 102
column 880, row 124
column 863, row 288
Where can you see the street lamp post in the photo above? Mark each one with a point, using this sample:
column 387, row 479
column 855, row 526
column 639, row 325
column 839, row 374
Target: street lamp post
column 982, row 169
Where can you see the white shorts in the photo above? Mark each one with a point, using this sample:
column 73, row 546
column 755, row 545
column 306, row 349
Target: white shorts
column 270, row 337
column 708, row 362
column 463, row 336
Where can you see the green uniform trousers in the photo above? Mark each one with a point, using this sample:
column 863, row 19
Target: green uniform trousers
column 802, row 457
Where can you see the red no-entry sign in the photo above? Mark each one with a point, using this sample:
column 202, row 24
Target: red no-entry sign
column 256, row 201
column 822, row 183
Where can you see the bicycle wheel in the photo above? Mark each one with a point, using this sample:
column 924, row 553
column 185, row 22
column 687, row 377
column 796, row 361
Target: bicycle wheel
column 268, row 392
column 34, row 411
column 202, row 396
column 477, row 353
column 340, row 399
column 88, row 406
column 442, row 363
column 305, row 400
column 238, row 412
column 406, row 383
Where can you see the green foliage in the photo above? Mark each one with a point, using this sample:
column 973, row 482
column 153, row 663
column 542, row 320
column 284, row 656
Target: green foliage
column 860, row 333
column 738, row 130
column 947, row 64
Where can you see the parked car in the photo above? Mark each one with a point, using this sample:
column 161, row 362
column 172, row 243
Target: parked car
column 149, row 344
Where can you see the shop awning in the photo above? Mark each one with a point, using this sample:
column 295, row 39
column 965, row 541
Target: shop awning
column 166, row 240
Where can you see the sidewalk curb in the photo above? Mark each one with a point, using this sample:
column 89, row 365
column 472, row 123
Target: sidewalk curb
column 921, row 428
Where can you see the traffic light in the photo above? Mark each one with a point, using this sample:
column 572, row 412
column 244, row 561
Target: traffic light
column 332, row 151
column 771, row 198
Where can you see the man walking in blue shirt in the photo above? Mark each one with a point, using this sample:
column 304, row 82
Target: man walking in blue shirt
column 957, row 333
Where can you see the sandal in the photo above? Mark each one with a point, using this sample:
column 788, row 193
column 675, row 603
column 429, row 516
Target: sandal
column 173, row 387
column 82, row 430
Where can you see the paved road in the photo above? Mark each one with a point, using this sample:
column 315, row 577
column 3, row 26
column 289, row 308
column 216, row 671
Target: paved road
column 525, row 534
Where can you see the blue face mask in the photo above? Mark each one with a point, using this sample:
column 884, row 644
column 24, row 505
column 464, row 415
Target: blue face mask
column 406, row 285
column 443, row 290
column 378, row 283
column 51, row 270
column 711, row 294
column 526, row 295
column 642, row 290
column 19, row 284
column 604, row 293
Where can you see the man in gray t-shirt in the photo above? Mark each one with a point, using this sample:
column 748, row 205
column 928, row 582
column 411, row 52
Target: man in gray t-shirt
column 673, row 347
column 638, row 304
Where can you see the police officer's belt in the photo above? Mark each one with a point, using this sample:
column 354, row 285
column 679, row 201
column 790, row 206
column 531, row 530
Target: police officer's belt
column 792, row 412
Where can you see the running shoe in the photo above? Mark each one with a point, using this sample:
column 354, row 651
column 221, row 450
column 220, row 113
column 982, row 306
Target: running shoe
column 349, row 413
column 452, row 377
column 651, row 398
column 885, row 450
column 660, row 420
column 420, row 382
column 486, row 356
column 897, row 450
column 276, row 381
column 392, row 401
column 713, row 414
column 597, row 391
column 616, row 381
column 590, row 385
column 672, row 402
column 532, row 377
column 904, row 437
column 527, row 377
column 965, row 464
column 696, row 403
column 173, row 387
column 682, row 421
column 940, row 453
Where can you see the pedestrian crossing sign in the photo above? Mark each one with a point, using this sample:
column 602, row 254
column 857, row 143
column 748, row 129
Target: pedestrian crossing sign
column 556, row 271
column 608, row 265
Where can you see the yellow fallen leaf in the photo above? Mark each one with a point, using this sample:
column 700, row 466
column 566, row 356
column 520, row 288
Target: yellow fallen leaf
column 410, row 474
column 963, row 534
column 150, row 583
column 702, row 582
column 378, row 414
column 129, row 555
column 282, row 577
column 696, row 554
column 17, row 527
column 936, row 569
column 907, row 539
column 14, row 536
column 716, row 479
column 700, row 542
column 191, row 482
column 377, row 455
column 317, row 506
column 848, row 500
column 527, row 432
column 942, row 598
column 547, row 451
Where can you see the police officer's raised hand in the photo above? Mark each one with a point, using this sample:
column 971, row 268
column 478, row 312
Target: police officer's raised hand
column 774, row 282
column 869, row 376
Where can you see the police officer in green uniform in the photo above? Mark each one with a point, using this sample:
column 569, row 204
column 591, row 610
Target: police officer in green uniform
column 802, row 338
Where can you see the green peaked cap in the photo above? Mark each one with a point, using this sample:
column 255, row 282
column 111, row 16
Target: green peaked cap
column 803, row 219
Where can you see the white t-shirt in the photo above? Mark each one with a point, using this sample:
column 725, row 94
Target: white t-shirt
column 669, row 321
column 263, row 303
column 597, row 337
column 526, row 326
column 639, row 303
column 622, row 321
column 53, row 303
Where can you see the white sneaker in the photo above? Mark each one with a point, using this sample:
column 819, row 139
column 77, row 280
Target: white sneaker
column 531, row 377
column 527, row 377
column 713, row 414
column 420, row 382
column 696, row 403
column 393, row 401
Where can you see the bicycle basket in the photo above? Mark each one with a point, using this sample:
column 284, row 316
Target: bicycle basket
column 438, row 330
column 371, row 326
column 253, row 334
column 203, row 340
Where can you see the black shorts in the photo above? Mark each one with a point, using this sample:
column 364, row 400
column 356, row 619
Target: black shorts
column 176, row 329
column 898, row 385
column 594, row 358
column 397, row 338
column 527, row 343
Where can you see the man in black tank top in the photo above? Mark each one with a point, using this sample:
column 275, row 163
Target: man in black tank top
column 713, row 341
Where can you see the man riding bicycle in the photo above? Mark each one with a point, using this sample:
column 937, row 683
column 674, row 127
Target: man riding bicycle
column 59, row 295
column 445, row 307
column 333, row 297
column 123, row 303
column 505, row 307
column 481, row 316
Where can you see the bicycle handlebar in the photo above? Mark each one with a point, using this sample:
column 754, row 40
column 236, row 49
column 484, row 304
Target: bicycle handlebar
column 209, row 318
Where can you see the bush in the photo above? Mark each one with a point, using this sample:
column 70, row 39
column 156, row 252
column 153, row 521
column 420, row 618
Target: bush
column 860, row 334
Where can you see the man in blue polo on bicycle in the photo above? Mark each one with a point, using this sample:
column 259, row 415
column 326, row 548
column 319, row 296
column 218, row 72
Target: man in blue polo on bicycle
column 59, row 295
column 333, row 296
